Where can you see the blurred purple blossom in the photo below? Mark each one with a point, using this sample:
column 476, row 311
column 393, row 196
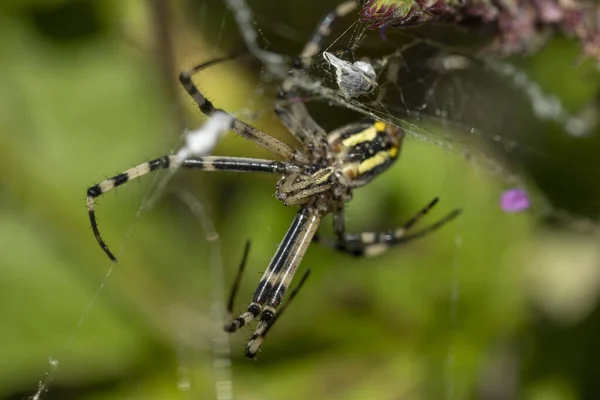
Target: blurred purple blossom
column 514, row 201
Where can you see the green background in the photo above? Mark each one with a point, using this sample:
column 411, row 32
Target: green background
column 493, row 306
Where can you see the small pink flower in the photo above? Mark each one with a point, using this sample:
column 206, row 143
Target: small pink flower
column 514, row 201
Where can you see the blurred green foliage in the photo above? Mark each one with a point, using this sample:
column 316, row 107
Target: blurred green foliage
column 492, row 305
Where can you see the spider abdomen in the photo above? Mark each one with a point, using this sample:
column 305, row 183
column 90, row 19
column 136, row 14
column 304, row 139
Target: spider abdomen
column 365, row 149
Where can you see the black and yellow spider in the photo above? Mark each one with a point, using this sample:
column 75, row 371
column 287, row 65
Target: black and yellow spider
column 319, row 177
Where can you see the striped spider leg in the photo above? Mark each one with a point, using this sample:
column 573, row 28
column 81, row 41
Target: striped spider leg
column 240, row 127
column 238, row 278
column 276, row 278
column 369, row 244
column 285, row 305
column 234, row 164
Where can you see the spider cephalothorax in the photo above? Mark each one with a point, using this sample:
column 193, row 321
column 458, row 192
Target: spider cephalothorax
column 319, row 176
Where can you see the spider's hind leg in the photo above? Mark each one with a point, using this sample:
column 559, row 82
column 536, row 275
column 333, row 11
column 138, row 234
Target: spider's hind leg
column 369, row 244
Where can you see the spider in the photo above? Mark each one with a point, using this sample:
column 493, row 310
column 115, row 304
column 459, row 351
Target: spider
column 319, row 177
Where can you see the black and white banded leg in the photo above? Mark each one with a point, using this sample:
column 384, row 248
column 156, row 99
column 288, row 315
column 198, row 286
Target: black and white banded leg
column 256, row 338
column 234, row 164
column 369, row 244
column 240, row 127
column 276, row 278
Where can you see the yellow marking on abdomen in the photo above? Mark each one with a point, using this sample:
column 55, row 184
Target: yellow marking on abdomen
column 363, row 136
column 373, row 162
column 380, row 126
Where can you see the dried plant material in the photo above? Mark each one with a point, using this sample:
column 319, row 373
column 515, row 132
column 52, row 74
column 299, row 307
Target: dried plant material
column 519, row 26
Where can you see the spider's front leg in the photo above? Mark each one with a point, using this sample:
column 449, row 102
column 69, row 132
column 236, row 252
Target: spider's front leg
column 369, row 244
column 235, row 164
column 289, row 106
column 238, row 126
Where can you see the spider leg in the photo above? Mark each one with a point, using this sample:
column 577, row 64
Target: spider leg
column 369, row 244
column 237, row 281
column 276, row 278
column 313, row 46
column 283, row 307
column 339, row 223
column 240, row 127
column 236, row 164
column 287, row 303
column 257, row 341
column 291, row 111
column 282, row 278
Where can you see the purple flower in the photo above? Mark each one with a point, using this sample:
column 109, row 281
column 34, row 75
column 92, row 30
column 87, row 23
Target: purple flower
column 514, row 201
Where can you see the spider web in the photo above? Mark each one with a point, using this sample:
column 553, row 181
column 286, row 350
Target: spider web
column 484, row 113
